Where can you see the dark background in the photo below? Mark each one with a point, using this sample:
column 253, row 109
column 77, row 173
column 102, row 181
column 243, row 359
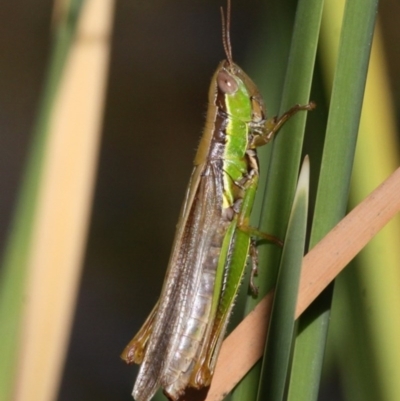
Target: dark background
column 163, row 55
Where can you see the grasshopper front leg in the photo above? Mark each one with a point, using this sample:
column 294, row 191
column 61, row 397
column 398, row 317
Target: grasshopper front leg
column 268, row 128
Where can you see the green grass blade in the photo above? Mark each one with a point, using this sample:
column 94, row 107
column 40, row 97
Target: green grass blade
column 281, row 328
column 344, row 116
column 282, row 175
column 14, row 272
column 333, row 187
column 288, row 144
column 286, row 158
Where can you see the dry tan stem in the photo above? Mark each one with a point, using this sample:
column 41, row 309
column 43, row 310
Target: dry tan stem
column 62, row 215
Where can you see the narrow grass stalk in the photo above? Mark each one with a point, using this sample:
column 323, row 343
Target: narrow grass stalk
column 287, row 146
column 333, row 186
column 283, row 168
column 15, row 265
column 278, row 346
column 46, row 247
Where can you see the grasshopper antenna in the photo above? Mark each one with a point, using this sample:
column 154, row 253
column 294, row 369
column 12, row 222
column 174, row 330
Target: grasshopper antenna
column 226, row 28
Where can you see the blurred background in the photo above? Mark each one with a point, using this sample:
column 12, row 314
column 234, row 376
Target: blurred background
column 163, row 55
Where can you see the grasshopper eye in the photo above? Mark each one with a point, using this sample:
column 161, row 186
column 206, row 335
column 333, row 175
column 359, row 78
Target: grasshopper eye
column 226, row 83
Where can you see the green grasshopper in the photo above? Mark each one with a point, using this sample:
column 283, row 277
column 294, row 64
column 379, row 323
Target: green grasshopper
column 179, row 343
